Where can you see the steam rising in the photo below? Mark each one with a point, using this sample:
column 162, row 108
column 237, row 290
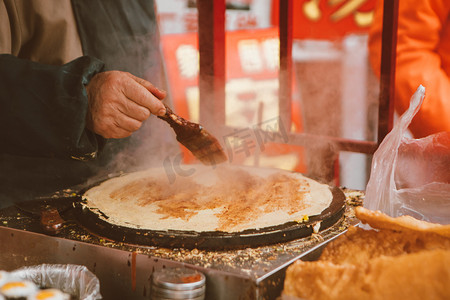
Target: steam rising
column 319, row 106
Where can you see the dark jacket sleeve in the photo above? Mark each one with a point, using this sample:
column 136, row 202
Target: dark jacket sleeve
column 43, row 108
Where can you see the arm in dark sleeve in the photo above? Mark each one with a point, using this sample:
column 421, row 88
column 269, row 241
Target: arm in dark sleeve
column 43, row 108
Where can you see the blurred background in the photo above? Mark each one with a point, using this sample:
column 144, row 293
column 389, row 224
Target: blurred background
column 335, row 92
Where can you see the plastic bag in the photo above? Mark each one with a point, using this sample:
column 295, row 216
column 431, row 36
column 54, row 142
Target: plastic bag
column 72, row 279
column 411, row 176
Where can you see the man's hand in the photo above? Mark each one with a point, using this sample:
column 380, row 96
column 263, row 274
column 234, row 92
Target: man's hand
column 119, row 102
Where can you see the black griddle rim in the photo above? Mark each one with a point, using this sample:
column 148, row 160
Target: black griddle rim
column 210, row 240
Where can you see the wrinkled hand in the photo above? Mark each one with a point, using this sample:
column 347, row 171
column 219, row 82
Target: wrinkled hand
column 119, row 102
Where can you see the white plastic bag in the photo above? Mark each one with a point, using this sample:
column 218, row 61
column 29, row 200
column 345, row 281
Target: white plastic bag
column 75, row 280
column 411, row 176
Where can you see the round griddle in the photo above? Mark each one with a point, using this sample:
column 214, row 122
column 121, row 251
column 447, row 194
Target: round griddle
column 210, row 240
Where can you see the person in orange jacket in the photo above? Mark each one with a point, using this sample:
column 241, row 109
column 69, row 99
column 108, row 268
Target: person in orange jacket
column 423, row 57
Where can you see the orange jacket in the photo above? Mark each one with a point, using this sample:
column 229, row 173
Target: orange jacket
column 423, row 57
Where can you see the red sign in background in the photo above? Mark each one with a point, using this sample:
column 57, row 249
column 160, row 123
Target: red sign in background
column 328, row 19
column 252, row 71
column 252, row 64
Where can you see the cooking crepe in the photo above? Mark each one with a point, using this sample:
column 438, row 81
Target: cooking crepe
column 228, row 199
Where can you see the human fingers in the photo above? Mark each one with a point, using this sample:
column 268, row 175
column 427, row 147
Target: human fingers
column 112, row 88
column 117, row 126
column 146, row 94
column 126, row 123
column 111, row 114
column 160, row 94
column 132, row 109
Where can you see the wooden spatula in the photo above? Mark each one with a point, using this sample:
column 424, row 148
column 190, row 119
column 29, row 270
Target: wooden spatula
column 200, row 142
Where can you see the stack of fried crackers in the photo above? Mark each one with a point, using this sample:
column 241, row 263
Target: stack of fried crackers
column 401, row 258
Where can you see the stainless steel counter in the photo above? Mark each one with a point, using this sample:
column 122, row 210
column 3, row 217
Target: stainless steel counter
column 125, row 271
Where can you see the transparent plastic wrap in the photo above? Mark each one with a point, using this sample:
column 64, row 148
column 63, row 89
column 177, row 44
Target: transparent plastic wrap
column 411, row 176
column 75, row 280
